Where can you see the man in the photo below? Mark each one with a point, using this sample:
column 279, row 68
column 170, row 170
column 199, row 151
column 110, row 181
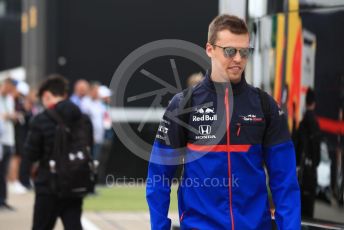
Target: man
column 81, row 88
column 308, row 154
column 24, row 115
column 39, row 146
column 92, row 106
column 20, row 119
column 105, row 96
column 233, row 145
column 7, row 118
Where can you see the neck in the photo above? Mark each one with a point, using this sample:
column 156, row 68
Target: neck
column 219, row 79
column 55, row 101
column 219, row 86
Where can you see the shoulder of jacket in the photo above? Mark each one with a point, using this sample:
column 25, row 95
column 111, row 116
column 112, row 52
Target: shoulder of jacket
column 37, row 121
column 174, row 102
column 257, row 91
column 41, row 118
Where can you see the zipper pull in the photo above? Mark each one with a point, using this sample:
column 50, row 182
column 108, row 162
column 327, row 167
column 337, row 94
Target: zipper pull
column 238, row 129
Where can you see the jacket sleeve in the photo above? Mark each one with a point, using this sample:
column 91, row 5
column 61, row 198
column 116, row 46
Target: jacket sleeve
column 279, row 157
column 165, row 157
column 33, row 143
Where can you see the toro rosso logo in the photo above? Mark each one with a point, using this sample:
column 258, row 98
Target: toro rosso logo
column 251, row 118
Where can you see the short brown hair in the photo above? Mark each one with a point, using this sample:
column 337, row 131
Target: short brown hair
column 56, row 84
column 226, row 22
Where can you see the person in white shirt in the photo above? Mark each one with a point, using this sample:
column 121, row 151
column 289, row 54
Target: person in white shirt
column 7, row 116
column 92, row 106
column 81, row 89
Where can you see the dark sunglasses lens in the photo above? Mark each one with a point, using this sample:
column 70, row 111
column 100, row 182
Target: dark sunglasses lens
column 230, row 51
column 245, row 52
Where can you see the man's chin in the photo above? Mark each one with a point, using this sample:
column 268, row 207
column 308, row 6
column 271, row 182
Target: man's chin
column 230, row 76
column 235, row 78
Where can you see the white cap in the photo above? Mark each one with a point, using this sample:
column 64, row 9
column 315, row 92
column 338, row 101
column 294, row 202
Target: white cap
column 104, row 91
column 23, row 88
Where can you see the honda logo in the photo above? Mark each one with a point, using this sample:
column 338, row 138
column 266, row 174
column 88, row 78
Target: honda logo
column 204, row 129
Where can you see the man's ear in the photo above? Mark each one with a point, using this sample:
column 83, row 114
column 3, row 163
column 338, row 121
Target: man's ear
column 209, row 49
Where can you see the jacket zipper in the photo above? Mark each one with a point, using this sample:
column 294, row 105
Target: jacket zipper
column 229, row 157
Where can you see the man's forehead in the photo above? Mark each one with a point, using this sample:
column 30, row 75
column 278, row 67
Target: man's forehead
column 227, row 38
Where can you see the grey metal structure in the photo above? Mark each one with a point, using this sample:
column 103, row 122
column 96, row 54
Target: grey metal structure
column 34, row 40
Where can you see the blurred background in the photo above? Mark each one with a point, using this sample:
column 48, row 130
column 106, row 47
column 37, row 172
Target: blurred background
column 298, row 45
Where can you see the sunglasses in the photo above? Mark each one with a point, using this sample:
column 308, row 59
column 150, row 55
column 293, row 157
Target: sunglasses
column 230, row 52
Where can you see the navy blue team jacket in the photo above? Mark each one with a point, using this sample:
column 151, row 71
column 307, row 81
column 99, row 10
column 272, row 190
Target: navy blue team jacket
column 224, row 146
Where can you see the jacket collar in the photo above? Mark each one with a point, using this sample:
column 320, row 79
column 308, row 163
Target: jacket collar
column 220, row 87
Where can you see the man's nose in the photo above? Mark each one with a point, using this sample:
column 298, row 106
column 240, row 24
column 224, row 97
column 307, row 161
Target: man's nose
column 237, row 57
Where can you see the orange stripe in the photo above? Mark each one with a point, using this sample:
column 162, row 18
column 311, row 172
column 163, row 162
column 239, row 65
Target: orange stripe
column 229, row 156
column 331, row 126
column 218, row 148
column 181, row 217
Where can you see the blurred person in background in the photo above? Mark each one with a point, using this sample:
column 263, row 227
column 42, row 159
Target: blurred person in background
column 308, row 155
column 194, row 79
column 39, row 146
column 105, row 95
column 33, row 104
column 24, row 113
column 81, row 90
column 20, row 120
column 93, row 106
column 7, row 118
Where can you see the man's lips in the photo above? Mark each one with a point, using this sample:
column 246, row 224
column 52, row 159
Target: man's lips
column 234, row 68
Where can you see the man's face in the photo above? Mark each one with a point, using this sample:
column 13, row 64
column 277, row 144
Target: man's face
column 82, row 88
column 6, row 88
column 49, row 99
column 228, row 68
column 94, row 93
